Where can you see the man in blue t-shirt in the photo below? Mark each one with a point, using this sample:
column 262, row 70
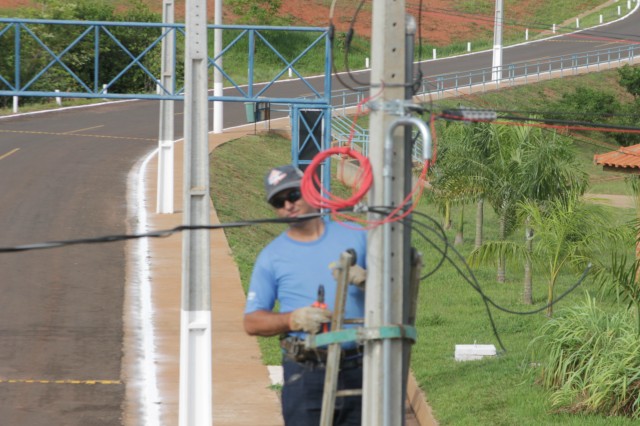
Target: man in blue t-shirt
column 291, row 270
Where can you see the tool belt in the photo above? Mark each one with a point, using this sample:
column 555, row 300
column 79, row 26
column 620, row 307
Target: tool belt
column 293, row 348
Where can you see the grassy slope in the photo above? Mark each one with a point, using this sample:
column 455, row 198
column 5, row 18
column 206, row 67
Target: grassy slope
column 501, row 391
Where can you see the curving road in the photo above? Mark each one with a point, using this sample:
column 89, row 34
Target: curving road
column 63, row 175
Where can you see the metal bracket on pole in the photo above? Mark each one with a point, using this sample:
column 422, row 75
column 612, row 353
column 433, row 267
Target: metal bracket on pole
column 362, row 334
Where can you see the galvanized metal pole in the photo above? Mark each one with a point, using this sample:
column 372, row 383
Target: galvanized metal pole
column 195, row 328
column 382, row 387
column 410, row 32
column 497, row 44
column 164, row 200
column 218, row 106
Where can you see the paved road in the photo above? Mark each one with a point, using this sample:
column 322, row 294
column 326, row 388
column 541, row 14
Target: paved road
column 64, row 175
column 61, row 310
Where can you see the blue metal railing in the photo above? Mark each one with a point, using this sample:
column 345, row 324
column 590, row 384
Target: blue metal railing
column 479, row 80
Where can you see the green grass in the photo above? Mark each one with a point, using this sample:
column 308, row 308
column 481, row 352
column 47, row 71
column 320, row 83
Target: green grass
column 500, row 391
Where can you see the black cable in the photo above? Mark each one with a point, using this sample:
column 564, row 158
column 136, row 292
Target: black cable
column 476, row 286
column 487, row 115
column 470, row 277
column 154, row 234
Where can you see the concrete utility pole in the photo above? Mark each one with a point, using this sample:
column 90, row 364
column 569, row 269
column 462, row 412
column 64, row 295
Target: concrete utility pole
column 382, row 399
column 164, row 200
column 497, row 44
column 195, row 320
column 218, row 106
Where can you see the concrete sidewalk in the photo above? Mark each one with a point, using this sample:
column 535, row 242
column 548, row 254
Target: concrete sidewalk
column 241, row 393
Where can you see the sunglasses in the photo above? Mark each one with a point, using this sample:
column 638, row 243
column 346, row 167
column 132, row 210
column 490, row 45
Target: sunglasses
column 291, row 196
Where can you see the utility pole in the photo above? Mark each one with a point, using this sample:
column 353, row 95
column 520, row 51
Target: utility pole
column 382, row 398
column 195, row 316
column 496, row 75
column 218, row 106
column 164, row 199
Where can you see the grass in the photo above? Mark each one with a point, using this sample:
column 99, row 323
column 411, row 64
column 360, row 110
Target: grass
column 539, row 21
column 499, row 391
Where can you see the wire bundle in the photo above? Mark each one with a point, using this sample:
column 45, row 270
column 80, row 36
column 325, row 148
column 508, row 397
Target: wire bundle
column 317, row 196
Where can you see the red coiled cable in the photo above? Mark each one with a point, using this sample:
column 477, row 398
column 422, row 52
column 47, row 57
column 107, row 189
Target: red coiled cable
column 318, row 197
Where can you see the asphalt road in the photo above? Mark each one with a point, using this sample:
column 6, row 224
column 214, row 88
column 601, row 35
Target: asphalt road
column 63, row 175
column 61, row 309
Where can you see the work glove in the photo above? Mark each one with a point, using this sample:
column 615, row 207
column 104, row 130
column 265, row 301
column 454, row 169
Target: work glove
column 357, row 274
column 308, row 319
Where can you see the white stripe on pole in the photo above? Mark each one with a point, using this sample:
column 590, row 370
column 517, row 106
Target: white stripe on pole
column 497, row 43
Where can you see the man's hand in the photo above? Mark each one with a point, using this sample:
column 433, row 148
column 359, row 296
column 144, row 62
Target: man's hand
column 357, row 274
column 309, row 319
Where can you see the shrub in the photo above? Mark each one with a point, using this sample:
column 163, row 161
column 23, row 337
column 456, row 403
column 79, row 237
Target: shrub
column 591, row 361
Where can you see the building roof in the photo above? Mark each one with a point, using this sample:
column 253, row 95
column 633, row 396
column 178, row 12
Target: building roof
column 625, row 159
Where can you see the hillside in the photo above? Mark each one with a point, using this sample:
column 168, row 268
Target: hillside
column 443, row 21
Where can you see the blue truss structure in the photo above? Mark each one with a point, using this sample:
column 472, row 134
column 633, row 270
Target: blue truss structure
column 108, row 39
column 98, row 33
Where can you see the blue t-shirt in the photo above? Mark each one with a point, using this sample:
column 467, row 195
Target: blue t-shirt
column 291, row 271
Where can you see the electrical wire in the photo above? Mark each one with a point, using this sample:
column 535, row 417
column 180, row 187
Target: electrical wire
column 470, row 277
column 154, row 234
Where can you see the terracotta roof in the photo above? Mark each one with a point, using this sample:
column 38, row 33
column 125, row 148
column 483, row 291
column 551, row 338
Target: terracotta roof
column 624, row 158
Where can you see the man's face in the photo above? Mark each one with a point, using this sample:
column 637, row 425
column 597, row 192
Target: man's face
column 289, row 203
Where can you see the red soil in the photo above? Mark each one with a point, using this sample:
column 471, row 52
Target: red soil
column 441, row 25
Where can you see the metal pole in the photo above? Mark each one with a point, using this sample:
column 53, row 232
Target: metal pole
column 164, row 202
column 218, row 109
column 195, row 321
column 410, row 31
column 497, row 43
column 382, row 387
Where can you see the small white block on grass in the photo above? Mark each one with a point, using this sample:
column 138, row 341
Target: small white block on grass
column 474, row 352
column 275, row 374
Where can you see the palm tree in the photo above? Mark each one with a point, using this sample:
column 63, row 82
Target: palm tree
column 500, row 180
column 457, row 176
column 568, row 232
column 549, row 170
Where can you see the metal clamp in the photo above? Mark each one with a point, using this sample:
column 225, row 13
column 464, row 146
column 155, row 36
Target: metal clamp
column 361, row 334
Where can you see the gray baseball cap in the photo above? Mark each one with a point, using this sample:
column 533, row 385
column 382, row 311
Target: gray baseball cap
column 281, row 178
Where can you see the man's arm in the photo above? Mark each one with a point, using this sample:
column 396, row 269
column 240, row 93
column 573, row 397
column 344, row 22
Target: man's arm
column 266, row 323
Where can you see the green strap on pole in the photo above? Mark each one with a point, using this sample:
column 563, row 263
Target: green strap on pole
column 360, row 335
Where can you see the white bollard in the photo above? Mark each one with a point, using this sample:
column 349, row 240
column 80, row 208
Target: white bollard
column 554, row 28
column 468, row 46
column 290, row 72
column 601, row 19
column 366, row 63
column 58, row 98
column 628, row 4
column 526, row 34
column 435, row 56
column 104, row 90
column 577, row 22
column 618, row 10
column 15, row 104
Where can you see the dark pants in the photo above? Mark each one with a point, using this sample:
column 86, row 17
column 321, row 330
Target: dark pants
column 302, row 393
